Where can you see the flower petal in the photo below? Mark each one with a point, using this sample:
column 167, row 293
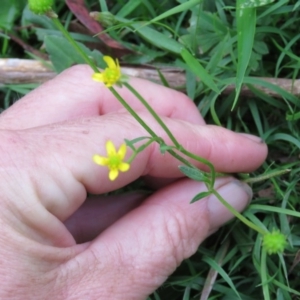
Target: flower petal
column 113, row 174
column 110, row 62
column 110, row 148
column 100, row 160
column 98, row 77
column 122, row 151
column 123, row 167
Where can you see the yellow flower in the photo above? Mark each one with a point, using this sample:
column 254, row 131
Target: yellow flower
column 110, row 75
column 114, row 160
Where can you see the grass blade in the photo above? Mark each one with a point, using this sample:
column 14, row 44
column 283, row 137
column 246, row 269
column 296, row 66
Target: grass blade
column 222, row 273
column 194, row 65
column 246, row 24
column 175, row 10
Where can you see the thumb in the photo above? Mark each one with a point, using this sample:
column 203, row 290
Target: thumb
column 144, row 247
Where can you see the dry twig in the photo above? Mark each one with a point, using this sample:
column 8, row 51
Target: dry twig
column 16, row 71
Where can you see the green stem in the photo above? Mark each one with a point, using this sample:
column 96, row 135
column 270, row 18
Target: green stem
column 133, row 113
column 155, row 115
column 265, row 176
column 140, row 149
column 237, row 214
column 180, row 158
column 74, row 44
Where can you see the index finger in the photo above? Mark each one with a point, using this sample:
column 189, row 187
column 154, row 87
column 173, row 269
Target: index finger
column 74, row 94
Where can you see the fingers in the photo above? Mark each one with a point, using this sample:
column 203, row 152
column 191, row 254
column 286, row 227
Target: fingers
column 73, row 94
column 64, row 154
column 99, row 212
column 152, row 240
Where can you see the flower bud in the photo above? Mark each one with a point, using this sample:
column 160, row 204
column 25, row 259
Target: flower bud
column 40, row 6
column 105, row 18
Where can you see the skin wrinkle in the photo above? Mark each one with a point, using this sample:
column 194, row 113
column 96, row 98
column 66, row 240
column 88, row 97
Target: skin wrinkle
column 83, row 269
column 63, row 279
column 41, row 258
column 83, row 272
column 179, row 227
column 175, row 226
column 170, row 226
column 127, row 266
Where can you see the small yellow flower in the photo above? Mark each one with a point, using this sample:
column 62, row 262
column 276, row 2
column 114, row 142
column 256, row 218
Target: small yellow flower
column 110, row 75
column 114, row 160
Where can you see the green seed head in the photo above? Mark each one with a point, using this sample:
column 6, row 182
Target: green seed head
column 40, row 6
column 274, row 242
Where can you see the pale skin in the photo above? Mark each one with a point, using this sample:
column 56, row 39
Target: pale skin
column 56, row 243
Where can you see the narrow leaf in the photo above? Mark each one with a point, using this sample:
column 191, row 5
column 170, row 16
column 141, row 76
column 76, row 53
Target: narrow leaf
column 200, row 196
column 175, row 10
column 193, row 173
column 194, row 65
column 156, row 38
column 246, row 24
column 222, row 273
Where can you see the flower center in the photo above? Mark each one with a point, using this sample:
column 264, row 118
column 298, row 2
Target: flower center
column 114, row 162
column 111, row 75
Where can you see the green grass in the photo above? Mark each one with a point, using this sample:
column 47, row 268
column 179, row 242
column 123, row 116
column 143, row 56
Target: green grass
column 213, row 41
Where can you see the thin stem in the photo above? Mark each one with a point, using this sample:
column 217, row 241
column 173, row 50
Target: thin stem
column 265, row 176
column 155, row 115
column 74, row 44
column 237, row 214
column 180, row 158
column 133, row 113
column 140, row 149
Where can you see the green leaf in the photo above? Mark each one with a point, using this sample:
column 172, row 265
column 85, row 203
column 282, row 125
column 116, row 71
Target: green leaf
column 200, row 196
column 255, row 3
column 246, row 25
column 128, row 8
column 194, row 65
column 163, row 148
column 63, row 55
column 156, row 38
column 284, row 137
column 293, row 117
column 191, row 83
column 10, row 10
column 29, row 18
column 162, row 78
column 175, row 10
column 268, row 208
column 194, row 173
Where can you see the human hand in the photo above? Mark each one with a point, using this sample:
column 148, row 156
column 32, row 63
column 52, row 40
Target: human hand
column 55, row 244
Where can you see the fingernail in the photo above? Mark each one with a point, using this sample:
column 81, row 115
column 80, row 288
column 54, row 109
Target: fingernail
column 253, row 138
column 237, row 194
